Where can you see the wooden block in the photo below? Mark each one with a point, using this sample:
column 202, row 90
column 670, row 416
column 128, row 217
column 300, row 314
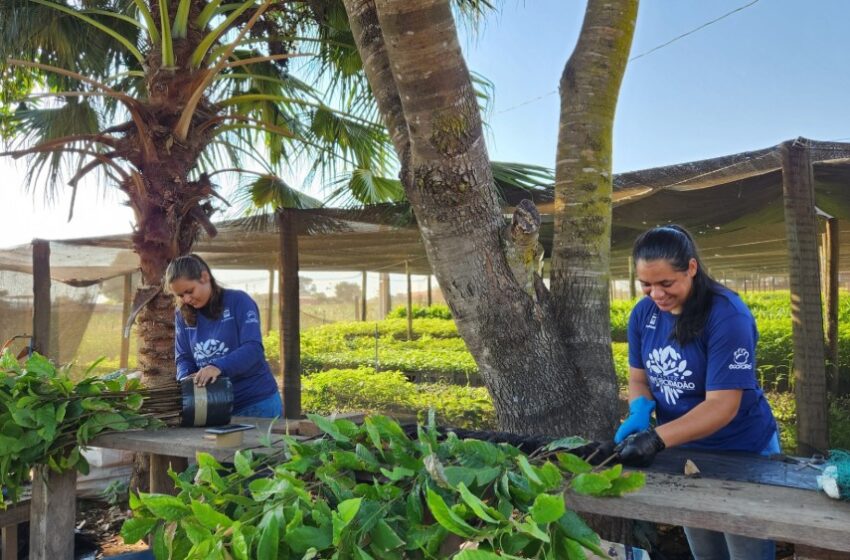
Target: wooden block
column 160, row 482
column 52, row 514
column 308, row 429
column 10, row 543
column 232, row 439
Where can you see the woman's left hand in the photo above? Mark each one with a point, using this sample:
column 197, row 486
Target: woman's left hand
column 206, row 375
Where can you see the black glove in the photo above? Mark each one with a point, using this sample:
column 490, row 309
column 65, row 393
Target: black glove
column 639, row 450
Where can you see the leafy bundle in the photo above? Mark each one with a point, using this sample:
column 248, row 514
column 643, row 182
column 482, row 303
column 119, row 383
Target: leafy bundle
column 45, row 417
column 372, row 492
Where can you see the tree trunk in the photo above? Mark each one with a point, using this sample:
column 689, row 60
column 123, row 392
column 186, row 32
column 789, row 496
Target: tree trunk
column 590, row 85
column 445, row 170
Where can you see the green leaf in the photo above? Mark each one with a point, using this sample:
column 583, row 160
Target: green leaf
column 169, row 508
column 37, row 363
column 446, row 517
column 269, row 537
column 385, row 538
column 166, row 46
column 160, row 546
column 238, row 544
column 529, row 470
column 629, row 482
column 573, row 463
column 485, row 476
column 304, row 537
column 136, row 528
column 571, row 442
column 547, row 508
column 398, row 473
column 329, row 427
column 575, row 528
column 531, row 529
column 209, row 517
column 242, row 460
column 460, row 475
column 348, row 509
column 470, row 554
column 480, row 509
column 591, row 484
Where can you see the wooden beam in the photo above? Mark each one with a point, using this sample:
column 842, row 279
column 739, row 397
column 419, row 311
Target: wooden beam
column 363, row 296
column 290, row 315
column 430, row 295
column 833, row 256
column 124, row 359
column 632, row 288
column 52, row 514
column 385, row 295
column 806, row 312
column 41, row 296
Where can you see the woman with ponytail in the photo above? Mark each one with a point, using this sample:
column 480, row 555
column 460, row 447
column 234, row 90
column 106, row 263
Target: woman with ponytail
column 692, row 360
column 217, row 332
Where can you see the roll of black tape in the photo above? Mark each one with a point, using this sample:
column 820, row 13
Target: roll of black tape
column 206, row 406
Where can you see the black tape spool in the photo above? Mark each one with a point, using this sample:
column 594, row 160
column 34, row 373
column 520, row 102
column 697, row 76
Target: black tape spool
column 211, row 405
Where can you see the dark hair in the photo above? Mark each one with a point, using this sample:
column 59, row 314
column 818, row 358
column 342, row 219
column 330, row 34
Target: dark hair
column 190, row 267
column 675, row 245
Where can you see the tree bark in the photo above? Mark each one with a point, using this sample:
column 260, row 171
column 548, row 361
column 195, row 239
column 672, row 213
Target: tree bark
column 581, row 247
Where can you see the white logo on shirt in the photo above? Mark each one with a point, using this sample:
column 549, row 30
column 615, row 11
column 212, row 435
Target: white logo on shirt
column 651, row 324
column 668, row 371
column 226, row 313
column 741, row 356
column 251, row 317
column 204, row 351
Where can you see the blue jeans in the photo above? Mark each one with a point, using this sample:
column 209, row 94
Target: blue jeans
column 270, row 407
column 714, row 545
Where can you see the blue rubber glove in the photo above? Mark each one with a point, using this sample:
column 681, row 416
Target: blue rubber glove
column 639, row 411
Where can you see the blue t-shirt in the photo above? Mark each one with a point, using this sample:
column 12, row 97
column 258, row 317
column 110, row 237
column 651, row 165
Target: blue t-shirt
column 233, row 343
column 723, row 357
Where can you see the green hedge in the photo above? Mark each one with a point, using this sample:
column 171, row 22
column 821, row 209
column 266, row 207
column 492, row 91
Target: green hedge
column 422, row 312
column 389, row 392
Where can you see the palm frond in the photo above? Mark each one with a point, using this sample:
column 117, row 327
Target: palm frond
column 269, row 192
column 364, row 187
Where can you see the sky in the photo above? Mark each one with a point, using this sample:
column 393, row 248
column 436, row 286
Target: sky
column 774, row 70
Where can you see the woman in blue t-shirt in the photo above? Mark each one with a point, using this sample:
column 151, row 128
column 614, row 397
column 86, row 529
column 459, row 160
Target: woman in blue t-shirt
column 217, row 332
column 692, row 360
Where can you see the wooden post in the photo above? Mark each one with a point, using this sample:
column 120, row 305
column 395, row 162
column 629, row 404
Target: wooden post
column 385, row 295
column 806, row 310
column 632, row 287
column 53, row 510
column 270, row 312
column 363, row 297
column 290, row 315
column 160, row 482
column 833, row 255
column 430, row 296
column 41, row 296
column 409, row 301
column 124, row 360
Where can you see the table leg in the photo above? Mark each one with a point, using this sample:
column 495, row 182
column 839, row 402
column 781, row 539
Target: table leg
column 53, row 512
column 161, row 483
column 10, row 542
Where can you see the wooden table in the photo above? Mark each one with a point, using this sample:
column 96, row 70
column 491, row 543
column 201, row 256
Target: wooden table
column 804, row 517
column 53, row 507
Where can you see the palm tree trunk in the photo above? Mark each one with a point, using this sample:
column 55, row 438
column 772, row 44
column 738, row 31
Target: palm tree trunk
column 512, row 334
column 590, row 85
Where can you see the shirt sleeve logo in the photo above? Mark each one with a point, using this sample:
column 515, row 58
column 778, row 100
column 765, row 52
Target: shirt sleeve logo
column 251, row 317
column 741, row 359
column 668, row 370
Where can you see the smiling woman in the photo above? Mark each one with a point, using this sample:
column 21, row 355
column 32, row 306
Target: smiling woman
column 217, row 332
column 691, row 360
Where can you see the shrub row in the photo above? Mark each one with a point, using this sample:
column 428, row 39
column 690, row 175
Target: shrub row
column 389, row 392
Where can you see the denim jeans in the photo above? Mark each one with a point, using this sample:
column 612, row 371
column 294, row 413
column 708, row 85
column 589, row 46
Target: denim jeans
column 713, row 545
column 270, row 407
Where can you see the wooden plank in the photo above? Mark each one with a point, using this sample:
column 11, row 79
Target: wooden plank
column 124, row 358
column 363, row 296
column 753, row 510
column 41, row 297
column 185, row 442
column 409, row 301
column 833, row 256
column 160, row 482
column 52, row 514
column 803, row 552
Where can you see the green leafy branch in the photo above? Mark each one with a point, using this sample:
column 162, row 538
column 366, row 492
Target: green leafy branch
column 45, row 417
column 373, row 492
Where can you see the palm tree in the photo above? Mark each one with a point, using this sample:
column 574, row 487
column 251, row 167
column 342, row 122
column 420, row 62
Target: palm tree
column 160, row 96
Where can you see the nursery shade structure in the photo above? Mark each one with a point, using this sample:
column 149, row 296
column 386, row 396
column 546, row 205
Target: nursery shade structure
column 750, row 212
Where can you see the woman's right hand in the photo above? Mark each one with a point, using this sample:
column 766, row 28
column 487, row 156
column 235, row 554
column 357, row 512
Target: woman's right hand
column 640, row 411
